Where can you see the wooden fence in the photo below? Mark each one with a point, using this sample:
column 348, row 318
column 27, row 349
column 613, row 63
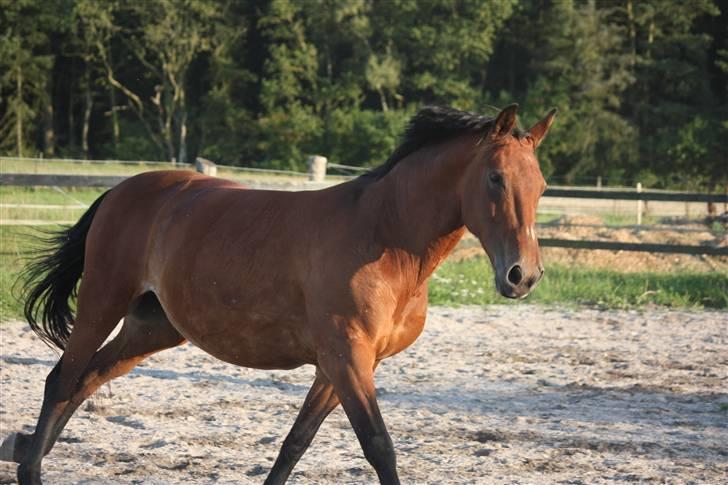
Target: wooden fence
column 315, row 165
column 56, row 180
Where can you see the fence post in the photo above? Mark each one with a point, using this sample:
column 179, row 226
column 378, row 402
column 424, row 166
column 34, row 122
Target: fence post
column 317, row 168
column 205, row 166
column 639, row 205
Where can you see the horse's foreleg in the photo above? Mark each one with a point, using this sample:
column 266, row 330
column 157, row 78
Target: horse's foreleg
column 350, row 368
column 320, row 401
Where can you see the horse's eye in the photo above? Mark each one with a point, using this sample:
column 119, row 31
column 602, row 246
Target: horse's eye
column 496, row 178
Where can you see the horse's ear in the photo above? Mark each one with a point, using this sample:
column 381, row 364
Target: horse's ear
column 504, row 122
column 539, row 130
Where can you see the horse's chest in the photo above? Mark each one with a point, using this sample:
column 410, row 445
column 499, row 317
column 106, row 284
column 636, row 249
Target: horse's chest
column 407, row 326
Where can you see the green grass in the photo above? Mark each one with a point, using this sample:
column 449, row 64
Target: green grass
column 46, row 196
column 471, row 282
column 49, row 195
column 15, row 247
column 617, row 219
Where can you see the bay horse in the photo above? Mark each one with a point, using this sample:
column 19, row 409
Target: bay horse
column 336, row 278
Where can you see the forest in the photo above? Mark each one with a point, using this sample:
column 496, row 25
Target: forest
column 641, row 85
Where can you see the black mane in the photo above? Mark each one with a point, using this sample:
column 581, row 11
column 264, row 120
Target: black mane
column 432, row 125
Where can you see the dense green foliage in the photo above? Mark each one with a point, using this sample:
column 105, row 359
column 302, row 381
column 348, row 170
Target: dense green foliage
column 641, row 85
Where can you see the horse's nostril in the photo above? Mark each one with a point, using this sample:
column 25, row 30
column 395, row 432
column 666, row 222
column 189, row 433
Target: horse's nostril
column 515, row 275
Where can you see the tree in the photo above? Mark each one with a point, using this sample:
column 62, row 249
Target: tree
column 581, row 68
column 443, row 45
column 289, row 77
column 672, row 96
column 176, row 33
column 25, row 61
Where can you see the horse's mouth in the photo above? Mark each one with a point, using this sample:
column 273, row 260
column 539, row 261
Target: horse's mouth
column 510, row 293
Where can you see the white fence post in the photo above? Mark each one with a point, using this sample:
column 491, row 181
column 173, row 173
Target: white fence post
column 639, row 205
column 317, row 168
column 205, row 166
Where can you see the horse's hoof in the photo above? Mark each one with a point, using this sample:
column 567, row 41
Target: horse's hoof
column 29, row 475
column 7, row 449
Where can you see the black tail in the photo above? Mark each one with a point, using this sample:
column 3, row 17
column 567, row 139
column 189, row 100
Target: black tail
column 49, row 282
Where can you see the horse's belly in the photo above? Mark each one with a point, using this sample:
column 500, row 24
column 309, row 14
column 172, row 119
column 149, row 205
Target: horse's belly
column 253, row 338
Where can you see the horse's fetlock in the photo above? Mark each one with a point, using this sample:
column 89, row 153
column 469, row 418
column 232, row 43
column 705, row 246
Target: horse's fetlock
column 29, row 474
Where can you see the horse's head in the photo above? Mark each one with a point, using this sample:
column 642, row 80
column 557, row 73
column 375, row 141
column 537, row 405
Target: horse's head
column 500, row 193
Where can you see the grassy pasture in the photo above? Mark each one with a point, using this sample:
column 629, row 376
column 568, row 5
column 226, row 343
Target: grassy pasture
column 471, row 282
column 15, row 248
column 75, row 201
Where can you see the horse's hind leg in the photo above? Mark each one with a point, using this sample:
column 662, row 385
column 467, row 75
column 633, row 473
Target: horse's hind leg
column 97, row 317
column 145, row 331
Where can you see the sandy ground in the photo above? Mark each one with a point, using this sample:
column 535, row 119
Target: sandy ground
column 506, row 394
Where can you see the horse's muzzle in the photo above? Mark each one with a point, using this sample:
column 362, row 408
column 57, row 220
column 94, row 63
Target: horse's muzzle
column 518, row 283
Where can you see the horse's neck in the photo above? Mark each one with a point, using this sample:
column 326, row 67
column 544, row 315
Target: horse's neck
column 419, row 208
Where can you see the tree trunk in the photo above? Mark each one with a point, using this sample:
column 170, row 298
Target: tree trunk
column 383, row 100
column 116, row 130
column 632, row 33
column 49, row 134
column 166, row 126
column 87, row 106
column 168, row 138
column 183, row 136
column 19, row 111
column 71, row 117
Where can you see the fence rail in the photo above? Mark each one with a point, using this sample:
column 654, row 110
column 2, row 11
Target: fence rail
column 642, row 247
column 630, row 195
column 63, row 180
column 58, row 180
